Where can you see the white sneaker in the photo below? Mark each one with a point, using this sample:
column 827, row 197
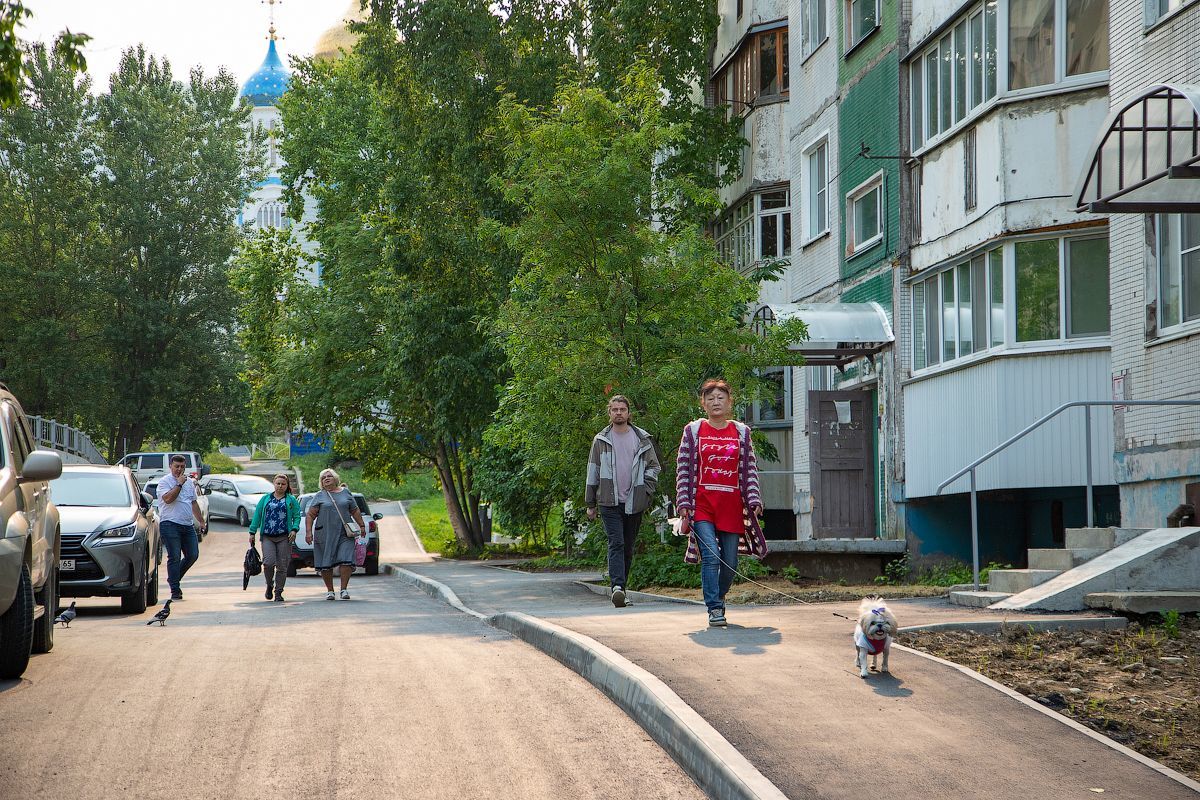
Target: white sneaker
column 345, row 595
column 618, row 596
column 329, row 596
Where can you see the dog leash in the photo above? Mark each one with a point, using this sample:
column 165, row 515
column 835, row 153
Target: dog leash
column 756, row 583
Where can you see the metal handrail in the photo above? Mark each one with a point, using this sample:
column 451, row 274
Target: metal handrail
column 1087, row 436
column 65, row 439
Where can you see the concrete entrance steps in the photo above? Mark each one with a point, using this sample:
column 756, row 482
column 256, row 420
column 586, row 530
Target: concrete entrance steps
column 1160, row 559
column 1145, row 602
column 1082, row 545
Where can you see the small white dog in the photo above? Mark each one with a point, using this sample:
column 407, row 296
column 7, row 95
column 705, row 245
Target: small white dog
column 873, row 634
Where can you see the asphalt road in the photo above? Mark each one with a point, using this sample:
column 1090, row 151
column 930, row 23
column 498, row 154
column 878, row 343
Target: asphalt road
column 391, row 694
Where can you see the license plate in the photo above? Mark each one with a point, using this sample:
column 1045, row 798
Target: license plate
column 66, row 564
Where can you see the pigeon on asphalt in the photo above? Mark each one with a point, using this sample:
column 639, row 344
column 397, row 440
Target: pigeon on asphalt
column 66, row 616
column 161, row 616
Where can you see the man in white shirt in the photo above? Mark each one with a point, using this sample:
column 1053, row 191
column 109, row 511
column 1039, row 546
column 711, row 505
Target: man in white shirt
column 177, row 507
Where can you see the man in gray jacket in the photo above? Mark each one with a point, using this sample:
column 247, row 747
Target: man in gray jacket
column 621, row 475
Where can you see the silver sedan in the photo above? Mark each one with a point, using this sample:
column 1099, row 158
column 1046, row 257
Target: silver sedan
column 235, row 496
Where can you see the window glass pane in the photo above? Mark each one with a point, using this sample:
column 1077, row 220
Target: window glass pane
column 975, row 66
column 918, row 110
column 769, row 235
column 949, row 323
column 979, row 306
column 946, row 70
column 774, row 405
column 768, row 76
column 866, row 217
column 1037, row 290
column 932, row 126
column 989, row 49
column 786, row 230
column 1190, row 266
column 822, row 193
column 1087, row 36
column 932, row 320
column 1087, row 264
column 774, row 200
column 862, row 16
column 1168, row 270
column 152, row 462
column 996, row 273
column 1030, row 43
column 960, row 71
column 965, row 341
column 783, row 58
column 918, row 305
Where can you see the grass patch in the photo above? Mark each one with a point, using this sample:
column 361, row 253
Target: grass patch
column 431, row 522
column 221, row 463
column 416, row 485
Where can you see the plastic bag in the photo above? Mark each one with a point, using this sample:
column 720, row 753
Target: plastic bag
column 360, row 551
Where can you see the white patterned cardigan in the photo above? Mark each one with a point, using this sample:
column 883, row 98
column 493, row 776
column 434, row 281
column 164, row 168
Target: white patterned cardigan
column 687, row 475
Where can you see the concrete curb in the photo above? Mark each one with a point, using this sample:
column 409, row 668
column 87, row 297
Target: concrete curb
column 432, row 588
column 1178, row 777
column 411, row 529
column 708, row 758
column 643, row 596
column 1051, row 624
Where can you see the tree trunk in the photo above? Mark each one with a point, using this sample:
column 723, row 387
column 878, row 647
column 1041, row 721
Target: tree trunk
column 466, row 531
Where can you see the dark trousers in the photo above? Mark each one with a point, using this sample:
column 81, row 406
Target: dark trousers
column 183, row 548
column 622, row 530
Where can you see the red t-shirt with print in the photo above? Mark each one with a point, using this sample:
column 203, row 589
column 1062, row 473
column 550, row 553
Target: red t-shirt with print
column 718, row 495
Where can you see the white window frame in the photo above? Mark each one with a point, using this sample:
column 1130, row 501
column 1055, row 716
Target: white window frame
column 782, row 226
column 1154, row 14
column 808, row 200
column 847, row 7
column 756, row 406
column 1184, row 324
column 975, row 106
column 1061, row 79
column 854, row 247
column 808, row 22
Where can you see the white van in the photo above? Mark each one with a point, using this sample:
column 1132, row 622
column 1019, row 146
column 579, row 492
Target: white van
column 148, row 466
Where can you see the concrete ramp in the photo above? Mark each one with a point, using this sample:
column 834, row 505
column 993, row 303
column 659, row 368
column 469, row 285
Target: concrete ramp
column 1160, row 559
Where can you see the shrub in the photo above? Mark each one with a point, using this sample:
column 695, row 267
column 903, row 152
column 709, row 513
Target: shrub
column 219, row 462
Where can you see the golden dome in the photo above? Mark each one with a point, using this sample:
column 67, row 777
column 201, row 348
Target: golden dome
column 339, row 36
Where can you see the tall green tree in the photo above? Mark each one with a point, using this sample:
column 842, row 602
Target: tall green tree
column 177, row 165
column 51, row 309
column 608, row 301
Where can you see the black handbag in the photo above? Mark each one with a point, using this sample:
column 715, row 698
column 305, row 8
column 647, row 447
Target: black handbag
column 251, row 566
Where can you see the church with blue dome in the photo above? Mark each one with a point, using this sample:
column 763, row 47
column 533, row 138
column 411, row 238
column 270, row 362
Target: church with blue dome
column 265, row 87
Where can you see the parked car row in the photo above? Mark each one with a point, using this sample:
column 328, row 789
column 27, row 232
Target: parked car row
column 87, row 530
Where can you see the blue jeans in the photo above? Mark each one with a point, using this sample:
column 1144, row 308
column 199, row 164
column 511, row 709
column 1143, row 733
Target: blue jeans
column 715, row 577
column 183, row 548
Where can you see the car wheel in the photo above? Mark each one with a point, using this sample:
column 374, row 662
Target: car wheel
column 43, row 629
column 152, row 588
column 136, row 601
column 16, row 630
column 372, row 565
column 243, row 517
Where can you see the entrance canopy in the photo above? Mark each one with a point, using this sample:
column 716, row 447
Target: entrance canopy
column 838, row 333
column 1147, row 158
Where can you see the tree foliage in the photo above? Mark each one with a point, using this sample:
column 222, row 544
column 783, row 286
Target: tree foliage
column 19, row 60
column 119, row 226
column 607, row 301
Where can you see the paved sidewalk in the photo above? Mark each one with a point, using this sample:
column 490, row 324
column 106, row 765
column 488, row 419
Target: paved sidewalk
column 779, row 685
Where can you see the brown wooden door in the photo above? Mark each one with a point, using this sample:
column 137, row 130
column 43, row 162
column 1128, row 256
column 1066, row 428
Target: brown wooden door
column 840, row 433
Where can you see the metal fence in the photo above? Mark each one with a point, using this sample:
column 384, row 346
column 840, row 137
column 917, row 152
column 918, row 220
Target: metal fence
column 66, row 440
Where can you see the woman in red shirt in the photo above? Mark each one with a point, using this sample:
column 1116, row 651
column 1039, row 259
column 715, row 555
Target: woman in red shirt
column 717, row 494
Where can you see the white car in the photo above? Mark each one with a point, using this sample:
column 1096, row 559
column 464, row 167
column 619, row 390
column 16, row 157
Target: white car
column 235, row 496
column 151, row 488
column 148, row 467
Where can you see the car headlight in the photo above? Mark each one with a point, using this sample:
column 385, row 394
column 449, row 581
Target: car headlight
column 121, row 535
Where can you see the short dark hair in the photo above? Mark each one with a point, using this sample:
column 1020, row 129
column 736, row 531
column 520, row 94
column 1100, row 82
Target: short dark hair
column 178, row 459
column 619, row 398
column 713, row 384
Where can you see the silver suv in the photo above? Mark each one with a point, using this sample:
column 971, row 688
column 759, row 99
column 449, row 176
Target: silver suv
column 29, row 533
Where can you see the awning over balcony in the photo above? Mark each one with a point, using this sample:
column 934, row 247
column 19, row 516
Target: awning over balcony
column 1147, row 157
column 838, row 333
